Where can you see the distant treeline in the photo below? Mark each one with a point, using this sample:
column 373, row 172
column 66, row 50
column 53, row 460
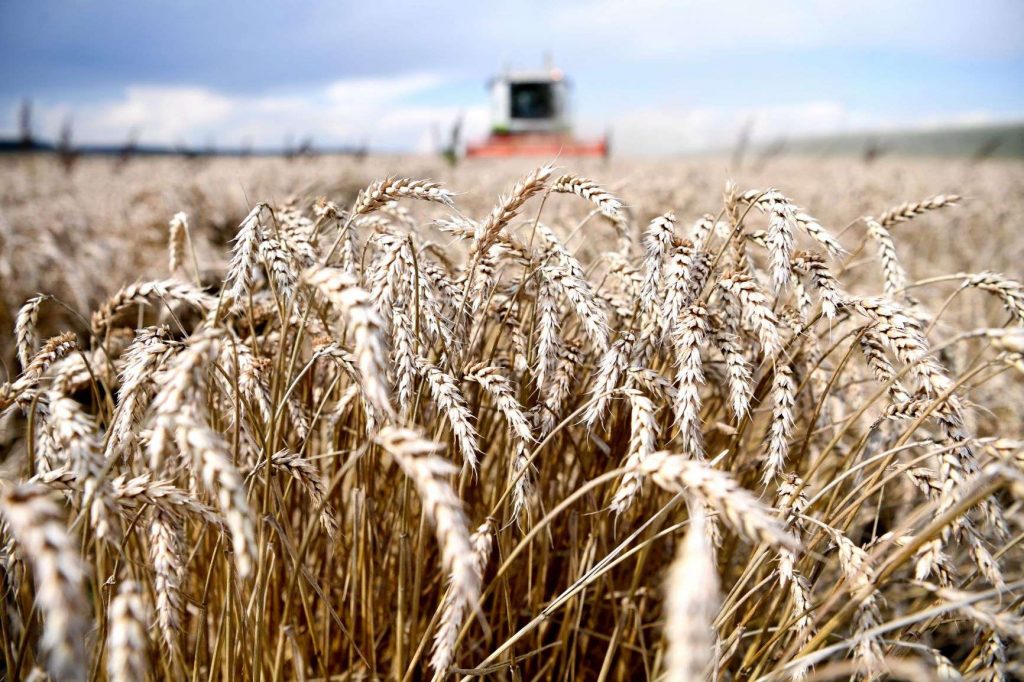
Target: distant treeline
column 68, row 151
column 8, row 146
column 981, row 142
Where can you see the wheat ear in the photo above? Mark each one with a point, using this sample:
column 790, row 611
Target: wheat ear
column 127, row 644
column 39, row 528
column 691, row 602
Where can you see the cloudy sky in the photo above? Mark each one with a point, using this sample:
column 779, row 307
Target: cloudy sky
column 664, row 77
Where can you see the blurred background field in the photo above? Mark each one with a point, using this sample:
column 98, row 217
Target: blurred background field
column 83, row 233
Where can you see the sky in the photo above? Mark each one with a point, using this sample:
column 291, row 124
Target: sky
column 663, row 77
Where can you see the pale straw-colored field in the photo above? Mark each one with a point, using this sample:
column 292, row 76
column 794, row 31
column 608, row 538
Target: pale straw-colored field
column 385, row 419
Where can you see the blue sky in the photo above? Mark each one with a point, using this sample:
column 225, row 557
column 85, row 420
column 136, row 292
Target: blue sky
column 663, row 76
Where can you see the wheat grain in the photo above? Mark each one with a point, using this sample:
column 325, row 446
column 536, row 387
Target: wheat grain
column 244, row 255
column 307, row 476
column 489, row 230
column 872, row 345
column 503, row 393
column 548, row 324
column 166, row 291
column 584, row 303
column 168, row 571
column 689, row 336
column 561, row 386
column 657, row 240
column 755, row 308
column 642, row 442
column 222, row 479
column 909, row 210
column 280, row 266
column 382, row 192
column 450, row 401
column 781, row 428
column 823, row 280
column 176, row 238
column 780, row 238
column 610, row 370
column 126, row 641
column 386, row 278
column 860, row 575
column 737, row 368
column 679, row 286
column 744, row 513
column 180, row 381
column 587, row 190
column 895, row 277
column 53, row 349
column 1009, row 291
column 364, row 325
column 403, row 357
column 25, row 328
column 143, row 358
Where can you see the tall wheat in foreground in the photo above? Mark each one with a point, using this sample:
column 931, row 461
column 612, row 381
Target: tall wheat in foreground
column 732, row 445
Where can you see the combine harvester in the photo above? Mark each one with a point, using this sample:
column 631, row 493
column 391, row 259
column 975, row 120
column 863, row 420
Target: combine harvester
column 530, row 117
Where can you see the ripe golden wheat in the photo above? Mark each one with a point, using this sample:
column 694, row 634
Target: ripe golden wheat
column 705, row 449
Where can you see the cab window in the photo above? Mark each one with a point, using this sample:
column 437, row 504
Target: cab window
column 532, row 100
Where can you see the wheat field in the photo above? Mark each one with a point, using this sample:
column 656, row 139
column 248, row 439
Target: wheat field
column 385, row 419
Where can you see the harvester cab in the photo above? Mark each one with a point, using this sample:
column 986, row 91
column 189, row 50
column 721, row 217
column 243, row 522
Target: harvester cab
column 530, row 117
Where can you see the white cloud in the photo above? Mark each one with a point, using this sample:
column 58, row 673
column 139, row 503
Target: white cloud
column 351, row 111
column 667, row 131
column 360, row 91
column 163, row 113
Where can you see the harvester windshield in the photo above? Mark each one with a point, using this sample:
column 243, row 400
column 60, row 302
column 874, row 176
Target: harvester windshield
column 532, row 100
